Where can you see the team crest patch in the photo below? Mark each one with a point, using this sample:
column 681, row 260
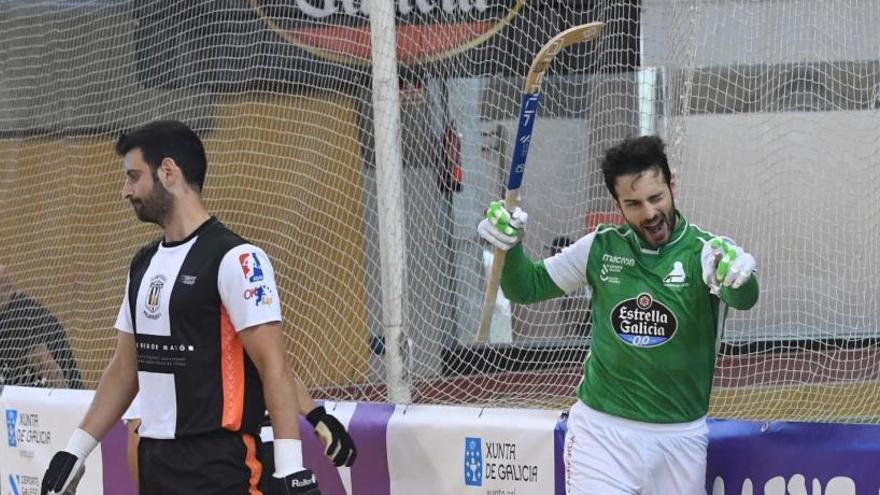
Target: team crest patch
column 154, row 297
column 643, row 321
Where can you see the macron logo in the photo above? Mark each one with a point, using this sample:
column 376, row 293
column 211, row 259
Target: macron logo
column 618, row 260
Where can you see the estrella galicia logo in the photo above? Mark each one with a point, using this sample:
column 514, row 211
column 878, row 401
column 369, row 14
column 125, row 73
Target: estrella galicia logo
column 473, row 461
column 11, row 421
column 643, row 321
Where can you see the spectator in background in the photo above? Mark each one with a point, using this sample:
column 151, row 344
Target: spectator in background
column 34, row 350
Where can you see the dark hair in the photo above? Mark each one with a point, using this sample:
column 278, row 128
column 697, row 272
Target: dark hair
column 633, row 156
column 162, row 139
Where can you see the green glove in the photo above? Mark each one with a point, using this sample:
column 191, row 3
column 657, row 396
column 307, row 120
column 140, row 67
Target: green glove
column 501, row 227
column 726, row 264
column 728, row 255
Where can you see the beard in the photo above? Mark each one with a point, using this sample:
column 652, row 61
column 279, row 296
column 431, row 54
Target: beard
column 155, row 207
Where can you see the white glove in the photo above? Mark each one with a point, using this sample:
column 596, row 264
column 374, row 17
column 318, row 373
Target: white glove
column 502, row 228
column 725, row 264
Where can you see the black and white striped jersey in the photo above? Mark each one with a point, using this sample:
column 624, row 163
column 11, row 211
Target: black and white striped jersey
column 185, row 302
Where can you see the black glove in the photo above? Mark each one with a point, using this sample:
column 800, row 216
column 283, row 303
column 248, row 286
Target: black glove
column 299, row 483
column 338, row 444
column 63, row 474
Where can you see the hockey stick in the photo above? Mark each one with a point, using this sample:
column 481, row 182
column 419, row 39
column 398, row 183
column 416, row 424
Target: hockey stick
column 531, row 98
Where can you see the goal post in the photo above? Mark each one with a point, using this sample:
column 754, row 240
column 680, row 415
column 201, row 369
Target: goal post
column 389, row 191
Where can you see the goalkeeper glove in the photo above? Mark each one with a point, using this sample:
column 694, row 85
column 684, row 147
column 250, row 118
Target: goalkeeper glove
column 67, row 466
column 501, row 228
column 338, row 444
column 298, row 483
column 725, row 264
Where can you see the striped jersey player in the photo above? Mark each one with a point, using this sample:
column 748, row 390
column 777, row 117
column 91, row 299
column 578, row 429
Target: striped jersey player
column 199, row 336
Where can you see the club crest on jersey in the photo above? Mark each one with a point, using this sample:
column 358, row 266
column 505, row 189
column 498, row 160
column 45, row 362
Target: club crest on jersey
column 250, row 267
column 643, row 321
column 154, row 297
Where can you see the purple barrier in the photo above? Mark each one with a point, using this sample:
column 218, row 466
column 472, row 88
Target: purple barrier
column 820, row 459
column 117, row 477
column 558, row 446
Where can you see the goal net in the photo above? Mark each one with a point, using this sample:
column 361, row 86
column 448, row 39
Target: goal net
column 769, row 110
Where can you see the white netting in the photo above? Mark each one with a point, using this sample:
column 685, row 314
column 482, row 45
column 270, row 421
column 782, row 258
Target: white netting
column 768, row 109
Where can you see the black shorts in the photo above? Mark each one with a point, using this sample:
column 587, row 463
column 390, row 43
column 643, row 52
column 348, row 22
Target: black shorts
column 222, row 463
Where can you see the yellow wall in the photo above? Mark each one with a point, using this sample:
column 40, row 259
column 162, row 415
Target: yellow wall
column 284, row 171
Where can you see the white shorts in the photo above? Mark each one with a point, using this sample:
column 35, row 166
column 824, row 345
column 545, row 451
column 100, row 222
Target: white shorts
column 608, row 455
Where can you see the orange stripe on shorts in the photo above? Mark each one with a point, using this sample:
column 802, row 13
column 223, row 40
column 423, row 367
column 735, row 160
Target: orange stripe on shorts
column 253, row 464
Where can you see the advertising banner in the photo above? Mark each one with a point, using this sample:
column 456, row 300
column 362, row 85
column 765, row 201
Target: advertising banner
column 751, row 458
column 440, row 450
column 39, row 423
column 435, row 450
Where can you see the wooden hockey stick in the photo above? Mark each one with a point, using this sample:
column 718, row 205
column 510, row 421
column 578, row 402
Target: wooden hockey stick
column 531, row 98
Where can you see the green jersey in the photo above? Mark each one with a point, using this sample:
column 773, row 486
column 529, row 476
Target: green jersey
column 655, row 322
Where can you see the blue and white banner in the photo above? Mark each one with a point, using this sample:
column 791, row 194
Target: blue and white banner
column 435, row 450
column 39, row 423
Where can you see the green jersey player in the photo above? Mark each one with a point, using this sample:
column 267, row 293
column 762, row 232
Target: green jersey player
column 660, row 289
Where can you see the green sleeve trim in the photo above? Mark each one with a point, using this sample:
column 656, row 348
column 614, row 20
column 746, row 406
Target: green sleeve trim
column 743, row 298
column 525, row 281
